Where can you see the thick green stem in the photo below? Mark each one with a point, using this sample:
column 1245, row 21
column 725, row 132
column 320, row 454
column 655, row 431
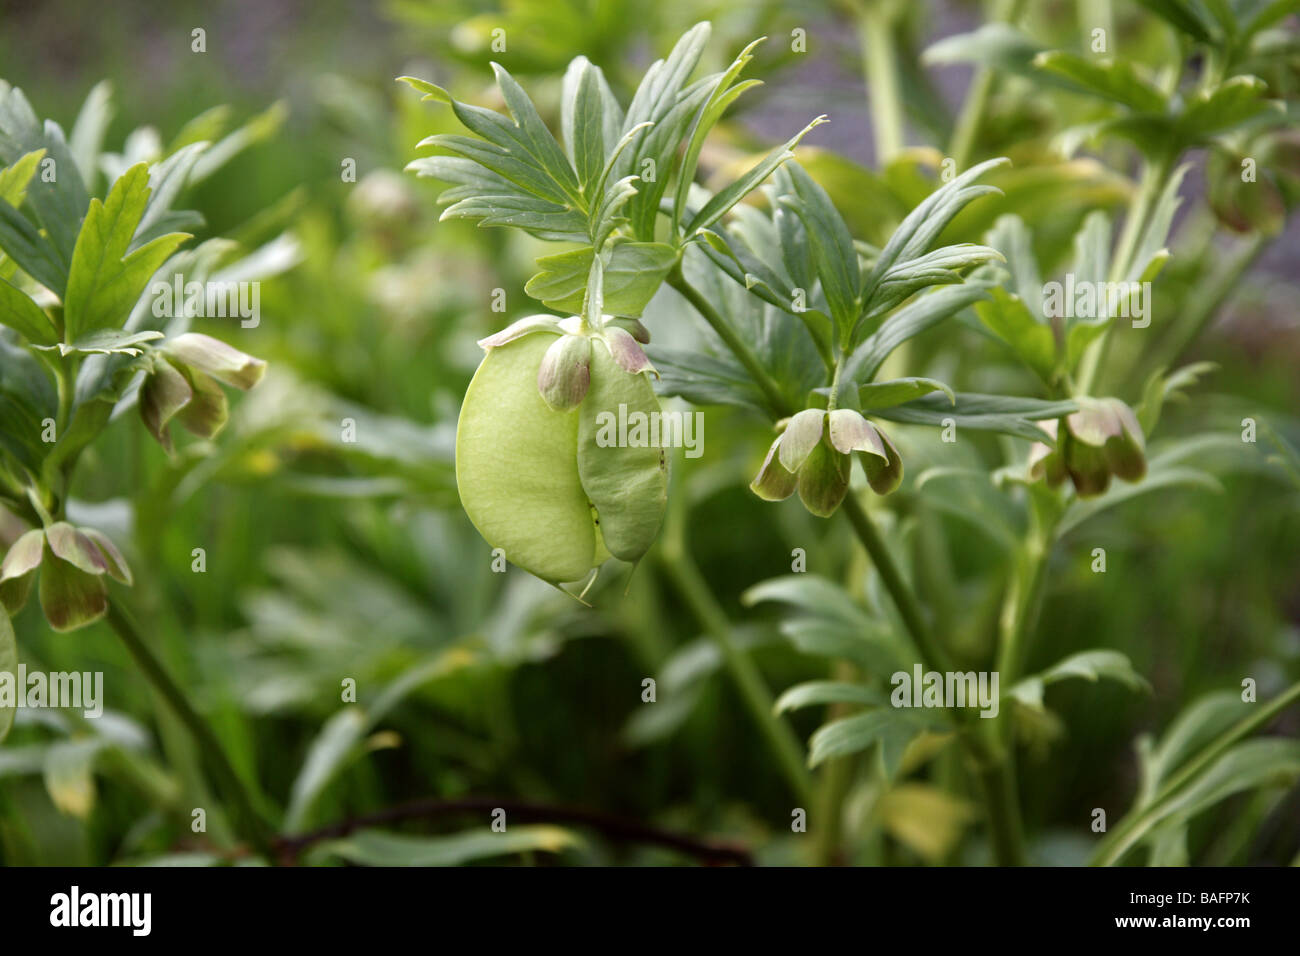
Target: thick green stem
column 1154, row 176
column 766, row 384
column 695, row 592
column 971, row 117
column 251, row 825
column 996, row 777
column 875, row 23
column 998, row 784
column 932, row 652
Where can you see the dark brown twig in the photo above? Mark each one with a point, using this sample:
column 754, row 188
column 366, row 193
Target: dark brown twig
column 289, row 848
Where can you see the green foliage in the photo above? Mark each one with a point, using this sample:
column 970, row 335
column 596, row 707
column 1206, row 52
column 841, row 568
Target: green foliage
column 790, row 290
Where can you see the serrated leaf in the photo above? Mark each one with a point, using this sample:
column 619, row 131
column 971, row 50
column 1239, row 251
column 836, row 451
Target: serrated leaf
column 105, row 280
column 1109, row 78
column 633, row 274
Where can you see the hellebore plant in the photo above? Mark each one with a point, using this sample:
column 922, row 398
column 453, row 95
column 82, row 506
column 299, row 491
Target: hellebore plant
column 76, row 347
column 803, row 317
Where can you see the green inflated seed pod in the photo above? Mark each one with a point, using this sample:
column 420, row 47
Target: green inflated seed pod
column 517, row 466
column 625, row 479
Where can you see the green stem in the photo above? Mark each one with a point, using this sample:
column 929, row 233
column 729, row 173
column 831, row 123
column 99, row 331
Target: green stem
column 932, row 652
column 875, row 23
column 1136, row 825
column 1155, row 173
column 766, row 384
column 253, row 826
column 998, row 785
column 690, row 583
column 967, row 128
column 995, row 772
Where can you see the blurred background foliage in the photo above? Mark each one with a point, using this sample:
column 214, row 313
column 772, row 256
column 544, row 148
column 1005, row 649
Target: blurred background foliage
column 329, row 559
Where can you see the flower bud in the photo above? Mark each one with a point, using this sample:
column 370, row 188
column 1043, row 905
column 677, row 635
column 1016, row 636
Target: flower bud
column 565, row 372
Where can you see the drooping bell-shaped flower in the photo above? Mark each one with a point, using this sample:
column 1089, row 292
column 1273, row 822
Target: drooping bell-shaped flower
column 70, row 563
column 813, row 455
column 182, row 385
column 1103, row 438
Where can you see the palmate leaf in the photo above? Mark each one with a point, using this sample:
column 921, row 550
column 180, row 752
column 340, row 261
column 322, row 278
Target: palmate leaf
column 664, row 100
column 776, row 338
column 591, row 121
column 522, row 151
column 632, row 275
column 834, row 256
column 483, row 194
column 917, row 233
column 1110, row 79
column 1232, row 103
column 105, row 279
column 726, row 199
column 770, row 257
column 939, row 267
column 724, row 92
